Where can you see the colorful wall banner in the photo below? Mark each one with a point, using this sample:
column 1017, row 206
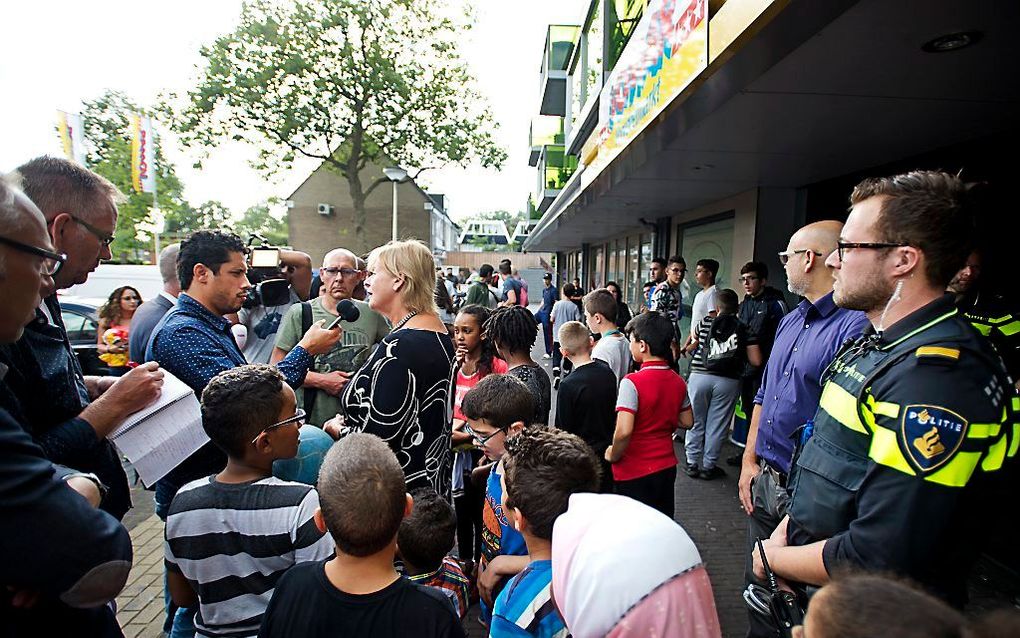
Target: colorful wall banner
column 669, row 48
column 143, row 155
column 72, row 136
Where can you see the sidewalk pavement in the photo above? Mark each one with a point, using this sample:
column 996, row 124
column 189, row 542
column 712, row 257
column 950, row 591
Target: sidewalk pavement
column 140, row 605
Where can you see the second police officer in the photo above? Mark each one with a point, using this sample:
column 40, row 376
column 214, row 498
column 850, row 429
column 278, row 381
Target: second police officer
column 912, row 423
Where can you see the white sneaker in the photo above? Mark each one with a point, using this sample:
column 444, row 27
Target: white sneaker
column 547, row 356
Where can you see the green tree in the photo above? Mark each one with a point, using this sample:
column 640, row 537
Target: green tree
column 260, row 220
column 353, row 83
column 106, row 121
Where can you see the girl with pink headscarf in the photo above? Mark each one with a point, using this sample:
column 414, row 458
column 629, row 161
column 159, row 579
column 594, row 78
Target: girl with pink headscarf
column 621, row 568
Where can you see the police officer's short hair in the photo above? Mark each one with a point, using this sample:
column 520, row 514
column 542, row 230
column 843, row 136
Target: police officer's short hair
column 926, row 210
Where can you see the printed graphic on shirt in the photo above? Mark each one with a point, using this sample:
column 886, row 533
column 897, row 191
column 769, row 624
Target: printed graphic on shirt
column 931, row 435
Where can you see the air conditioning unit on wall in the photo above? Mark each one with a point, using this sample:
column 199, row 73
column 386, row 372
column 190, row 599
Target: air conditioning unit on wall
column 325, row 210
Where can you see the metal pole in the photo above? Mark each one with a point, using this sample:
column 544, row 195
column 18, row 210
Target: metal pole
column 155, row 207
column 394, row 211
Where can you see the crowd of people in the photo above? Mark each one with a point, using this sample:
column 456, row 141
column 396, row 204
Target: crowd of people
column 383, row 450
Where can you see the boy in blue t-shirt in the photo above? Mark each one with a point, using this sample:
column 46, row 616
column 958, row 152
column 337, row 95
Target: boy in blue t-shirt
column 498, row 408
column 543, row 467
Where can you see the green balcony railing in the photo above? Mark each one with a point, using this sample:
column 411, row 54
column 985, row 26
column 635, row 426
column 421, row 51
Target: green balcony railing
column 544, row 130
column 555, row 167
column 560, row 41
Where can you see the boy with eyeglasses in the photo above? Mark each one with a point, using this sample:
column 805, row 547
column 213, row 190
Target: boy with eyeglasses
column 329, row 372
column 496, row 409
column 231, row 536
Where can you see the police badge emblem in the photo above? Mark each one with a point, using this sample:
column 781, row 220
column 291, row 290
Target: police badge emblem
column 930, row 435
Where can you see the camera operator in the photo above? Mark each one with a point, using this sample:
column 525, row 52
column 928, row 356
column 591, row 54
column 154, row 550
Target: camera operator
column 262, row 312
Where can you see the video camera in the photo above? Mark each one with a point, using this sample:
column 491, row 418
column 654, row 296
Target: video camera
column 269, row 286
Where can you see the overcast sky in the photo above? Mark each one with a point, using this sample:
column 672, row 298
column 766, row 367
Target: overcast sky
column 54, row 54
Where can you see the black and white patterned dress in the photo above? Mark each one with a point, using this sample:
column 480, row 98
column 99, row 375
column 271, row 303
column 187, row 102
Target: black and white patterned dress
column 401, row 395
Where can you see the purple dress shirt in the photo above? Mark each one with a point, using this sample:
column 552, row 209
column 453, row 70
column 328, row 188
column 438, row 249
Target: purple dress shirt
column 806, row 342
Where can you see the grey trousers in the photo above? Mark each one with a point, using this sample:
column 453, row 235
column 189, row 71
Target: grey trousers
column 713, row 400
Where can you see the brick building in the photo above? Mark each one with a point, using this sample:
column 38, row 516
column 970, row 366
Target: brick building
column 321, row 215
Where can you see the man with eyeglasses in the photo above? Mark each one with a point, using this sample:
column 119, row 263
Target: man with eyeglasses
column 70, row 415
column 668, row 299
column 913, row 426
column 62, row 559
column 806, row 341
column 761, row 311
column 331, row 370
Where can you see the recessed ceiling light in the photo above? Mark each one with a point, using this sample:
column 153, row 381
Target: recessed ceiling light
column 952, row 42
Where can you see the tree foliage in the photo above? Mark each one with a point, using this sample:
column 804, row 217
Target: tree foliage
column 260, row 220
column 354, row 83
column 106, row 121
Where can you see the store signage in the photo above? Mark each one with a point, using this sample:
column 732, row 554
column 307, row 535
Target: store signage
column 669, row 48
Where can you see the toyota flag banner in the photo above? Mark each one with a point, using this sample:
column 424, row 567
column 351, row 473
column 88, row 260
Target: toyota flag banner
column 143, row 155
column 72, row 136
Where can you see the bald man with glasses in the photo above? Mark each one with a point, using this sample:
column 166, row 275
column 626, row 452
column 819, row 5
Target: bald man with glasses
column 330, row 372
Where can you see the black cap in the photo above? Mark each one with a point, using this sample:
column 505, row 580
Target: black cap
column 547, row 276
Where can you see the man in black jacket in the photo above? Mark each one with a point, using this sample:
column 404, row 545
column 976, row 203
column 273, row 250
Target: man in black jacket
column 67, row 414
column 760, row 311
column 61, row 560
column 150, row 312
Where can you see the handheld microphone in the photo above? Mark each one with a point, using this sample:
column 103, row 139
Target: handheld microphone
column 346, row 311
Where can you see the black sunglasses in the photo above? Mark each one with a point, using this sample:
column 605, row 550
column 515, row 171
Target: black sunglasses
column 842, row 246
column 51, row 261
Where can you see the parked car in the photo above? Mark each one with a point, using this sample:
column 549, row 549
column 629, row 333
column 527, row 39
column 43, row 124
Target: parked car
column 81, row 320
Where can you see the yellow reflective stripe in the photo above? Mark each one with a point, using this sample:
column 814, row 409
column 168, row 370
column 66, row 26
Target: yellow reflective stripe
column 999, row 319
column 1010, row 329
column 996, row 455
column 842, row 406
column 885, row 450
column 885, row 408
column 937, row 351
column 1014, row 442
column 958, row 471
column 983, row 430
column 982, row 328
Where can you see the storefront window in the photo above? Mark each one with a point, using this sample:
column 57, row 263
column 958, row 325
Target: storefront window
column 593, row 59
column 646, row 261
column 598, row 266
column 633, row 269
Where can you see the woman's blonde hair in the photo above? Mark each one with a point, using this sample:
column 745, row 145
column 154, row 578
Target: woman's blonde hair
column 412, row 260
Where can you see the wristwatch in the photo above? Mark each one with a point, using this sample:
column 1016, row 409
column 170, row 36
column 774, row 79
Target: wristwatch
column 103, row 490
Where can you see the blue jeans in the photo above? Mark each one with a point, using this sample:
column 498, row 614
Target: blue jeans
column 546, row 322
column 179, row 621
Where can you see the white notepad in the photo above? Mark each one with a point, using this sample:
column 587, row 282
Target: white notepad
column 158, row 438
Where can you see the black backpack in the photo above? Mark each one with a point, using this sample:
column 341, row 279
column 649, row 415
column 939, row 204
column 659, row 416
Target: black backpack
column 723, row 351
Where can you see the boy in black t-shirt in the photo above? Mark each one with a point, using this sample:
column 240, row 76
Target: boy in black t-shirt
column 358, row 593
column 586, row 403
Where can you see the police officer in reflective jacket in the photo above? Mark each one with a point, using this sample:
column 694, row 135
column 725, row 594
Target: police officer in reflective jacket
column 912, row 425
column 989, row 313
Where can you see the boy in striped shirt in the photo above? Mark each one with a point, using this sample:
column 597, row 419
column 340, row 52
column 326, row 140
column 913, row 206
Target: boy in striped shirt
column 231, row 536
column 543, row 467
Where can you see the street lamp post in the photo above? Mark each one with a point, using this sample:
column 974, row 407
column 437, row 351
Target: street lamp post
column 396, row 175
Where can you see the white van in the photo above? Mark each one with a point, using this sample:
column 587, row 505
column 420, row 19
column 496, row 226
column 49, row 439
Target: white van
column 109, row 277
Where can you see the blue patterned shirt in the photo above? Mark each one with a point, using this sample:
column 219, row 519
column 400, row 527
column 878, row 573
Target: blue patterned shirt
column 525, row 607
column 195, row 345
